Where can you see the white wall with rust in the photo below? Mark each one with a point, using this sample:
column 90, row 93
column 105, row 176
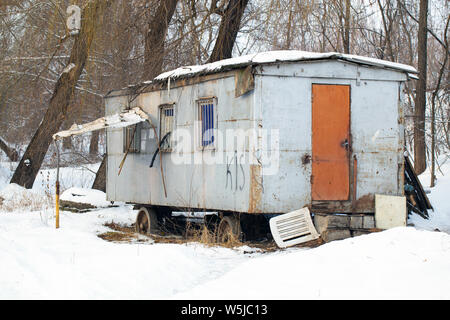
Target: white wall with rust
column 281, row 101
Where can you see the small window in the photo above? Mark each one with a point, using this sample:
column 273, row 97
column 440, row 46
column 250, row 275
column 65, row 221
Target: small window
column 166, row 126
column 132, row 138
column 147, row 134
column 206, row 117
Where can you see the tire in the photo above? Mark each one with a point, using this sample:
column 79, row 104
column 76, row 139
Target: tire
column 229, row 230
column 146, row 221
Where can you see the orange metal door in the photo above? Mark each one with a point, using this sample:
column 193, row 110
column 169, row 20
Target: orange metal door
column 330, row 142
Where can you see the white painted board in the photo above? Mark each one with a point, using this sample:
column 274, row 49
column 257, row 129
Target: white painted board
column 390, row 211
column 293, row 228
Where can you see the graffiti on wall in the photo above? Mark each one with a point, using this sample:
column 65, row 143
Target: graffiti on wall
column 235, row 174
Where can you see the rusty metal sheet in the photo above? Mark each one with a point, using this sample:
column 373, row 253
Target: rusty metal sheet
column 255, row 194
column 330, row 142
column 245, row 82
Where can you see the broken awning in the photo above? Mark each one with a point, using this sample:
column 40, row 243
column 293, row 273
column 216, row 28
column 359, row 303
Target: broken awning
column 118, row 120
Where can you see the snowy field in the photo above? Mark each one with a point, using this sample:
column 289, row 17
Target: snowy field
column 38, row 261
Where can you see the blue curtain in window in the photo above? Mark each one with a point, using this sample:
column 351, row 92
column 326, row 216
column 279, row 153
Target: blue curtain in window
column 207, row 111
column 168, row 112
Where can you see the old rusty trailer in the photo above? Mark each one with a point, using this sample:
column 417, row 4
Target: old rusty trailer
column 322, row 130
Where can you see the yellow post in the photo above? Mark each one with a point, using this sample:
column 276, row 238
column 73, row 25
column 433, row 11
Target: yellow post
column 57, row 204
column 57, row 184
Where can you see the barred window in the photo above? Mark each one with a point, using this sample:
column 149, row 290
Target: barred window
column 167, row 118
column 206, row 117
column 147, row 134
column 132, row 138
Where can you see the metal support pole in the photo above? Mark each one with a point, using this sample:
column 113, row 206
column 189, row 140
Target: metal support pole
column 57, row 185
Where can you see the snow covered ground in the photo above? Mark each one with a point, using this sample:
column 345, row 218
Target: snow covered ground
column 38, row 261
column 440, row 200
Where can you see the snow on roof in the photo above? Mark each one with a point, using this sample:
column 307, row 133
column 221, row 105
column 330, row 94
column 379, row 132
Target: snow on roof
column 278, row 56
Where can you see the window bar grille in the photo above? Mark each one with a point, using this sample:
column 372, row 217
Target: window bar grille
column 207, row 120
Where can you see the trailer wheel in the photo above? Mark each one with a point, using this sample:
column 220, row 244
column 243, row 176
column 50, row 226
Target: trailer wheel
column 229, row 230
column 146, row 221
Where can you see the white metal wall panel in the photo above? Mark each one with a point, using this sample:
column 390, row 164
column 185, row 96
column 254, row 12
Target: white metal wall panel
column 375, row 132
column 286, row 105
column 219, row 186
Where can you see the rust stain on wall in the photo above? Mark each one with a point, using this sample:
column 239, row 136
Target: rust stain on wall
column 256, row 188
column 244, row 81
column 306, row 159
column 365, row 203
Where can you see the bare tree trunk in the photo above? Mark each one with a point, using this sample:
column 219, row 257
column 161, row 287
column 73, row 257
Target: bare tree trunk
column 420, row 163
column 346, row 36
column 155, row 38
column 67, row 143
column 433, row 108
column 287, row 44
column 93, row 145
column 31, row 161
column 154, row 54
column 388, row 17
column 10, row 153
column 100, row 177
column 228, row 30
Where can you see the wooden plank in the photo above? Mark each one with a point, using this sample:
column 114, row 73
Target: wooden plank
column 419, row 202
